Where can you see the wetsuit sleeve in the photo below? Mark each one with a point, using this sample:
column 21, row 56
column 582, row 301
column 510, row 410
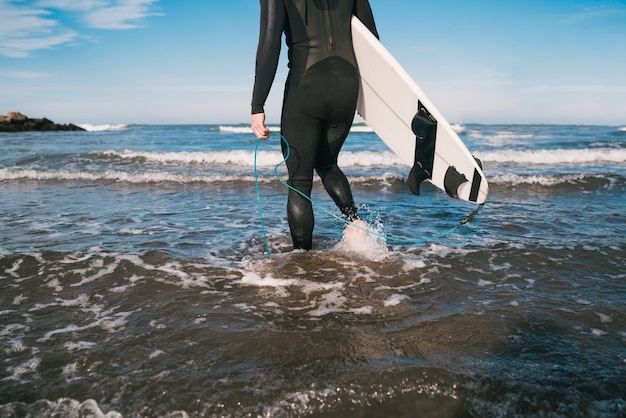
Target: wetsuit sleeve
column 270, row 36
column 363, row 11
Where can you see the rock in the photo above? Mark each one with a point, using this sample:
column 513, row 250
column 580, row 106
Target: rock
column 16, row 122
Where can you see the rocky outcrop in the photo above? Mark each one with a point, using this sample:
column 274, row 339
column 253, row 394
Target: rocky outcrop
column 16, row 122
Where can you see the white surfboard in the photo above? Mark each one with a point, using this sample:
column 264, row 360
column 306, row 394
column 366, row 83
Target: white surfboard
column 393, row 105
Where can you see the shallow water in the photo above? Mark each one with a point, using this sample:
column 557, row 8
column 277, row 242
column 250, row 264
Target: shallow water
column 134, row 281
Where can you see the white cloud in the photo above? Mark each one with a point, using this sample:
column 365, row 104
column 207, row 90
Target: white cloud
column 72, row 5
column 123, row 14
column 23, row 30
column 29, row 26
column 104, row 14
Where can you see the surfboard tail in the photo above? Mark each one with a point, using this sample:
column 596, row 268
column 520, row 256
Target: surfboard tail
column 424, row 127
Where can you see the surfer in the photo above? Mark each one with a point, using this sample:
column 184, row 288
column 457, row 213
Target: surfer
column 319, row 101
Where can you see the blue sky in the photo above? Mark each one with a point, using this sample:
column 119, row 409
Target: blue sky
column 192, row 61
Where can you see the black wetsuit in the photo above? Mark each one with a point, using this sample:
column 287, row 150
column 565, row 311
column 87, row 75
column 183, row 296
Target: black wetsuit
column 320, row 95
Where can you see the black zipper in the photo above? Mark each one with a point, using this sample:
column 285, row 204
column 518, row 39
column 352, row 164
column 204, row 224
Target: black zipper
column 331, row 23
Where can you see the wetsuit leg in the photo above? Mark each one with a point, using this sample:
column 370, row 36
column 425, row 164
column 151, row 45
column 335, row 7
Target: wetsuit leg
column 317, row 114
column 334, row 180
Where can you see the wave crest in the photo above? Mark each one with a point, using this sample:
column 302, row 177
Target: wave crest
column 103, row 128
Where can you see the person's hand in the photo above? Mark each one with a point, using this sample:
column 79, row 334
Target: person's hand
column 258, row 126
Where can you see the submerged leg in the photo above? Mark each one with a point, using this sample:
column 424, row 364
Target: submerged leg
column 300, row 216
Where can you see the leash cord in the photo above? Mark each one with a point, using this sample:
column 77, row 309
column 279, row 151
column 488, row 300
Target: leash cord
column 334, row 215
column 258, row 195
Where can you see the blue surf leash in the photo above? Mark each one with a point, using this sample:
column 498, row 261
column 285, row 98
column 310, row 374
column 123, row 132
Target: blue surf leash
column 258, row 196
column 334, row 215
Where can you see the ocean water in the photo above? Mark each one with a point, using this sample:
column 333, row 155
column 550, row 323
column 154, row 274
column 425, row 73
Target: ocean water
column 135, row 279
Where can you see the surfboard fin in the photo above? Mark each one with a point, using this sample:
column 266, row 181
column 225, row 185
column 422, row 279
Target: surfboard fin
column 416, row 176
column 452, row 180
column 424, row 126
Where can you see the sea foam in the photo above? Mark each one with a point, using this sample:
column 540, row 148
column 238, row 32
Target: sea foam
column 557, row 156
column 119, row 176
column 348, row 159
column 103, row 128
column 363, row 240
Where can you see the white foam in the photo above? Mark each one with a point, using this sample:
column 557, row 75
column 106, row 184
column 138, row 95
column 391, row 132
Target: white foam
column 12, row 328
column 556, row 156
column 97, row 270
column 458, row 128
column 410, row 265
column 65, row 330
column 19, row 299
column 119, row 289
column 13, row 270
column 349, row 159
column 76, row 258
column 440, row 251
column 252, row 278
column 107, row 320
column 6, row 312
column 55, row 284
column 234, row 157
column 155, row 354
column 90, row 408
column 102, row 128
column 500, row 138
column 321, row 298
column 540, row 180
column 363, row 240
column 269, row 159
column 155, row 324
column 14, row 346
column 118, row 176
column 81, row 301
column 101, row 271
column 130, row 231
column 114, row 323
column 29, row 366
column 80, row 345
column 395, row 300
column 72, row 408
column 333, row 302
column 245, row 158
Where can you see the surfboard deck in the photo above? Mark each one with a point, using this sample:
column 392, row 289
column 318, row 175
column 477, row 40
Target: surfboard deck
column 399, row 112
